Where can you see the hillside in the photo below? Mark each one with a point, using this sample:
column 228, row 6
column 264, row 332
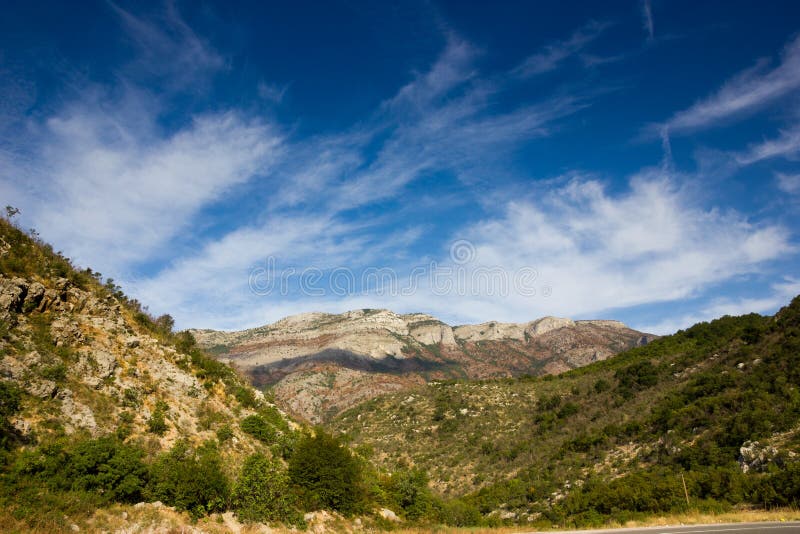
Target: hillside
column 101, row 403
column 88, row 360
column 320, row 364
column 717, row 403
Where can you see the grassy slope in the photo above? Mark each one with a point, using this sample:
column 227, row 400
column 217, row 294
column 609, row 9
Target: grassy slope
column 682, row 404
column 29, row 505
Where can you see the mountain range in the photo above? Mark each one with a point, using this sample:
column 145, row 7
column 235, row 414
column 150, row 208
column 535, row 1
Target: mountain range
column 320, row 364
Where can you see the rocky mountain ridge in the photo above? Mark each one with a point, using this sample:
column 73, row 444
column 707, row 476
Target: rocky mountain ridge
column 87, row 366
column 321, row 363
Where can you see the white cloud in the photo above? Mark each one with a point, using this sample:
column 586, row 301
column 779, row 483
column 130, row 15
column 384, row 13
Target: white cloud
column 786, row 145
column 169, row 49
column 647, row 18
column 110, row 190
column 750, row 90
column 599, row 251
column 272, row 92
column 554, row 54
column 788, row 183
column 780, row 295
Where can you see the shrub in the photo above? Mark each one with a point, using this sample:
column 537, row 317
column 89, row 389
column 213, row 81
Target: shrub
column 9, row 405
column 327, row 474
column 189, row 479
column 408, row 490
column 104, row 466
column 262, row 492
column 256, row 426
column 157, row 424
column 457, row 513
column 224, row 433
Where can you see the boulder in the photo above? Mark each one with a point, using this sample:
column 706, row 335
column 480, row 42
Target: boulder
column 65, row 332
column 43, row 389
column 34, row 296
column 388, row 515
column 106, row 363
column 12, row 294
column 755, row 457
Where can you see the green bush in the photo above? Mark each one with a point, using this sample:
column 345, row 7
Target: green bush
column 256, row 426
column 9, row 405
column 327, row 473
column 104, row 466
column 189, row 479
column 262, row 492
column 458, row 513
column 408, row 492
column 157, row 423
column 224, row 433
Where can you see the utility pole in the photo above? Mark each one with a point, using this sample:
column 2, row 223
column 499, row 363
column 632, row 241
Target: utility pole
column 685, row 491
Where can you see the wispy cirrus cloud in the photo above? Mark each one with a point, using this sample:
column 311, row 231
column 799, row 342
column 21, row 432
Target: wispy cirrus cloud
column 168, row 49
column 786, row 145
column 596, row 249
column 111, row 194
column 443, row 120
column 554, row 54
column 788, row 183
column 647, row 18
column 747, row 92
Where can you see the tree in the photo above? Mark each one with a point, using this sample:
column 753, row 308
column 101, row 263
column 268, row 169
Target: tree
column 327, row 473
column 9, row 405
column 190, row 479
column 409, row 490
column 165, row 323
column 157, row 424
column 11, row 212
column 262, row 491
column 107, row 466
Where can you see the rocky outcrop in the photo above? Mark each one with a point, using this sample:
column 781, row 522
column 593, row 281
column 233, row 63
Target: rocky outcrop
column 82, row 360
column 756, row 457
column 381, row 351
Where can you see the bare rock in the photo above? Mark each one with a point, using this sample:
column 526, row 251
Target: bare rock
column 22, row 426
column 62, row 286
column 132, row 342
column 43, row 389
column 106, row 363
column 755, row 457
column 546, row 324
column 49, row 300
column 78, row 415
column 65, row 332
column 12, row 294
column 388, row 515
column 31, row 359
column 34, row 296
column 12, row 368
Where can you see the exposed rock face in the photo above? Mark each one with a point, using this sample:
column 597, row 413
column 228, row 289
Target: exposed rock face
column 82, row 359
column 322, row 364
column 755, row 457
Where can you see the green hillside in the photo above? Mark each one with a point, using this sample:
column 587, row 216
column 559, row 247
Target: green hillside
column 615, row 439
column 103, row 409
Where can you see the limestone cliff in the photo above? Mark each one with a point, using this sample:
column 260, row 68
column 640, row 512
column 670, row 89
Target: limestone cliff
column 321, row 364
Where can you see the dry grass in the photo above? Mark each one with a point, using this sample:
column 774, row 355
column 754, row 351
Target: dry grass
column 696, row 518
column 164, row 520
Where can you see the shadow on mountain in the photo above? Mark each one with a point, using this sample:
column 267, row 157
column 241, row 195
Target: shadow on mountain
column 271, row 373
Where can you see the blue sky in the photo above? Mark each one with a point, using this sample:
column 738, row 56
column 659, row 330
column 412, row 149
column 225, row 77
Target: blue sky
column 233, row 163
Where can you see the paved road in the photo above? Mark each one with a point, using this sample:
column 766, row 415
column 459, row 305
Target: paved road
column 789, row 527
